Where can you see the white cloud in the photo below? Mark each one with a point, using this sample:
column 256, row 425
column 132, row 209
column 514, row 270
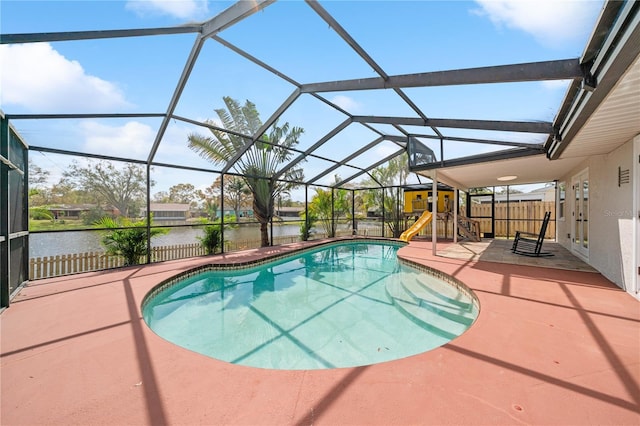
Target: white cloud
column 132, row 140
column 551, row 22
column 182, row 9
column 346, row 103
column 385, row 150
column 38, row 78
column 554, row 85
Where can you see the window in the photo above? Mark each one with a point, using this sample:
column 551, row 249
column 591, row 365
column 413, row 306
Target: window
column 561, row 200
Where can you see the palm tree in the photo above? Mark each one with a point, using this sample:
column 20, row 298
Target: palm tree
column 326, row 205
column 395, row 173
column 264, row 158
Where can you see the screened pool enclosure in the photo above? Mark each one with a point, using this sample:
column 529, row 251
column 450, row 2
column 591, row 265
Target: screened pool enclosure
column 269, row 123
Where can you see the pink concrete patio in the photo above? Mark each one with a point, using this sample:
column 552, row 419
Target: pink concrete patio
column 550, row 346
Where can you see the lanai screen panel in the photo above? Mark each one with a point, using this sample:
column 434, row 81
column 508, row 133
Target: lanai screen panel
column 219, row 72
column 352, row 139
column 383, row 103
column 291, row 37
column 318, row 120
column 266, row 55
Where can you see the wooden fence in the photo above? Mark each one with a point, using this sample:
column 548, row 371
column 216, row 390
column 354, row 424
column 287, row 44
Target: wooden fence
column 65, row 264
column 54, row 266
column 524, row 216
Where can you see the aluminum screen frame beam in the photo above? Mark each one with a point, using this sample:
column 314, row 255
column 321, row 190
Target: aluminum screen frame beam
column 345, row 160
column 226, row 18
column 340, row 127
column 542, row 127
column 182, row 82
column 232, row 15
column 94, row 35
column 480, row 158
column 566, row 69
column 371, row 167
column 403, row 139
column 88, row 115
column 363, row 54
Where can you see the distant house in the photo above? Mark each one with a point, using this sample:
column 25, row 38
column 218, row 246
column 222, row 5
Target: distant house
column 169, row 211
column 541, row 194
column 243, row 212
column 74, row 211
column 288, row 212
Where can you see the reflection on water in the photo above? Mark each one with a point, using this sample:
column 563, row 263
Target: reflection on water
column 55, row 243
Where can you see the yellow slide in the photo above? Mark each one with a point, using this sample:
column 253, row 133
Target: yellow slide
column 416, row 227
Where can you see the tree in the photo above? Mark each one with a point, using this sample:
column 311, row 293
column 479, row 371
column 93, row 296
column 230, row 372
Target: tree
column 236, row 193
column 123, row 188
column 184, row 193
column 210, row 199
column 39, row 194
column 394, row 173
column 161, row 197
column 328, row 204
column 511, row 189
column 260, row 162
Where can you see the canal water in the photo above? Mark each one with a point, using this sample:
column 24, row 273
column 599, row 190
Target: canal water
column 59, row 243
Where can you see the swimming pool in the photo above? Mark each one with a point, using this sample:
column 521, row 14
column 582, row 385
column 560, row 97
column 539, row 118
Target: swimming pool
column 340, row 305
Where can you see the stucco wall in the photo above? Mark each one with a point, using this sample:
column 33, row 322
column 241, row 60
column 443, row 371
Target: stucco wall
column 611, row 237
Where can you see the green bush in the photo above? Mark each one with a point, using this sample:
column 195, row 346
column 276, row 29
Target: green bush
column 40, row 213
column 212, row 239
column 92, row 216
column 307, row 225
column 127, row 238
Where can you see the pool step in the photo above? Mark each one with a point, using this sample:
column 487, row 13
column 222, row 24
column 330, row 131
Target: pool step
column 422, row 313
column 428, row 285
column 429, row 297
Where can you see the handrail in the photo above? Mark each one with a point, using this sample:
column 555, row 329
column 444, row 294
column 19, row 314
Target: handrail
column 470, row 228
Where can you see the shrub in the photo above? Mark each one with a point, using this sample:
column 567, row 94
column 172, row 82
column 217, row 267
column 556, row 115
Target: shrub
column 92, row 216
column 307, row 225
column 127, row 238
column 40, row 213
column 212, row 239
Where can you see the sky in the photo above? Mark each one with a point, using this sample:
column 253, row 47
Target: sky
column 139, row 75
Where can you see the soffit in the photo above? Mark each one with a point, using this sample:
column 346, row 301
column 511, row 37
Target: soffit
column 532, row 169
column 615, row 122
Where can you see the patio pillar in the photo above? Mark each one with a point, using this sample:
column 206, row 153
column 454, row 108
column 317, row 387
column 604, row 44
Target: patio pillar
column 434, row 211
column 148, row 215
column 455, row 215
column 222, row 213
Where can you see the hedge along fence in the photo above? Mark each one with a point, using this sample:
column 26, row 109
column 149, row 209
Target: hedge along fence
column 523, row 216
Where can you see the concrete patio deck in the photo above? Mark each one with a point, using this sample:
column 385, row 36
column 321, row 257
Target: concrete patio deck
column 550, row 346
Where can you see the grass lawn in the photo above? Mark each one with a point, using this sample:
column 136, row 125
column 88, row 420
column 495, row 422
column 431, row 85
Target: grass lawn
column 57, row 225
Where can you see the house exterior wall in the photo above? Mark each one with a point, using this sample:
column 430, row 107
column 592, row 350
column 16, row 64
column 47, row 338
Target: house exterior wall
column 611, row 218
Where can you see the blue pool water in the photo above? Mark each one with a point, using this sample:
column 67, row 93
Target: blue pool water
column 342, row 305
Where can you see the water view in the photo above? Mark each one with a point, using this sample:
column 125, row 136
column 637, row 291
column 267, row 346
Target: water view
column 58, row 243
